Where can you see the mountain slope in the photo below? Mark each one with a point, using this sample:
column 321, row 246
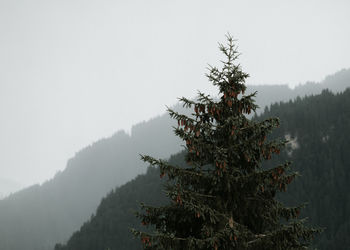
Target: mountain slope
column 38, row 217
column 55, row 209
column 109, row 228
column 319, row 150
column 319, row 130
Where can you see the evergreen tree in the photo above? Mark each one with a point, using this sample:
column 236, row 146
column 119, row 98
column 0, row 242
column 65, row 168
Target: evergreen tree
column 225, row 199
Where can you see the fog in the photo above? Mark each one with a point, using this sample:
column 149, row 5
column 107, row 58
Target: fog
column 75, row 71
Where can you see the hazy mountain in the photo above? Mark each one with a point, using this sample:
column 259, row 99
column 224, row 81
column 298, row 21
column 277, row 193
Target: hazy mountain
column 42, row 215
column 268, row 94
column 319, row 129
column 7, row 187
column 55, row 209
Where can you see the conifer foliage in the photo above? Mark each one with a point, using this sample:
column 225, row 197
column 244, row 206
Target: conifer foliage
column 224, row 199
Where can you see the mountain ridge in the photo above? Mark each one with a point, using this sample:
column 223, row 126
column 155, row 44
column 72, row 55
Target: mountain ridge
column 317, row 124
column 63, row 203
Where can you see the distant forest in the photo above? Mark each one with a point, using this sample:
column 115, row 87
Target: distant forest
column 318, row 130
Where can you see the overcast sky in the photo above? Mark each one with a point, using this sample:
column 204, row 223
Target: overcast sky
column 74, row 71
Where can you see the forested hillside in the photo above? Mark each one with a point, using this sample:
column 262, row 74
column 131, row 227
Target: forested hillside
column 318, row 128
column 39, row 216
column 319, row 131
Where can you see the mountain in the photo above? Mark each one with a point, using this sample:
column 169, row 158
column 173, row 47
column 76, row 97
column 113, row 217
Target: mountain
column 39, row 216
column 318, row 128
column 110, row 227
column 268, row 94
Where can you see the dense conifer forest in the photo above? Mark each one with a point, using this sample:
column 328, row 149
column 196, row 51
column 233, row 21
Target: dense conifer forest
column 318, row 130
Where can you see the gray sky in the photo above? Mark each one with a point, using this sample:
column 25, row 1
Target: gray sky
column 74, row 71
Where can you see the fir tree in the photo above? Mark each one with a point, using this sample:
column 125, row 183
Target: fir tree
column 225, row 199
